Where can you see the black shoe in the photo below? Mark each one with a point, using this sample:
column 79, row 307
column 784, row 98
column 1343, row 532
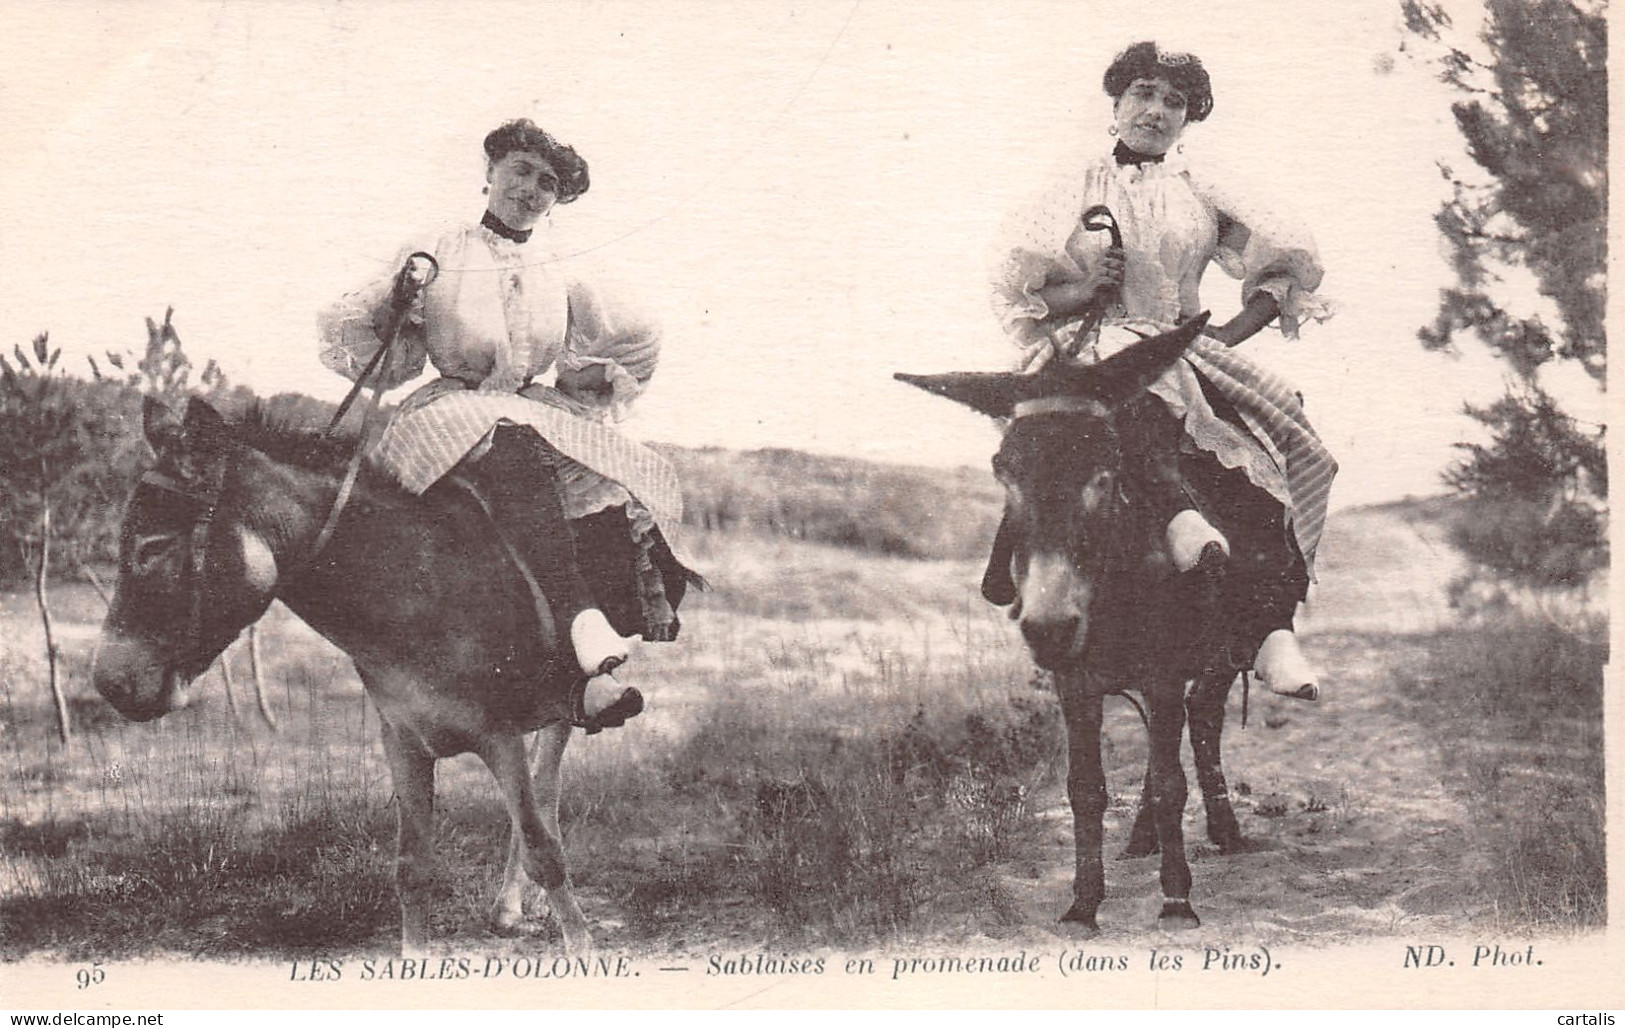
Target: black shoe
column 629, row 705
column 1212, row 561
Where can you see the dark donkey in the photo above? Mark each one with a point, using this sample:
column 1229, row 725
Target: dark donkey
column 1100, row 605
column 440, row 624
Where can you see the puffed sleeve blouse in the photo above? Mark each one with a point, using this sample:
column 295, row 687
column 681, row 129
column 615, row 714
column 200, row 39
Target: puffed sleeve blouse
column 495, row 316
column 1174, row 225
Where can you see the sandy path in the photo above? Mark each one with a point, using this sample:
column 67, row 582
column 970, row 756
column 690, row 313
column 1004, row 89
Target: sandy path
column 1362, row 829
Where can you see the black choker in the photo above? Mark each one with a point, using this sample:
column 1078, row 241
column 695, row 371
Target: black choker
column 495, row 224
column 1126, row 154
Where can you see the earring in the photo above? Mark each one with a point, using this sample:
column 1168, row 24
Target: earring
column 1111, row 130
column 485, row 190
column 1179, row 148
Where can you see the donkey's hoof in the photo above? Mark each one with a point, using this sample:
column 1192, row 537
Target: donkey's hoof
column 1225, row 835
column 507, row 922
column 1237, row 844
column 1224, row 832
column 1081, row 921
column 1177, row 915
column 1138, row 848
column 513, row 926
column 578, row 943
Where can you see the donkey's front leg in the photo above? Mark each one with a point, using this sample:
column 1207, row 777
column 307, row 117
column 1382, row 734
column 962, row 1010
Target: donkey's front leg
column 543, row 852
column 1086, row 789
column 546, row 759
column 411, row 768
column 1168, row 790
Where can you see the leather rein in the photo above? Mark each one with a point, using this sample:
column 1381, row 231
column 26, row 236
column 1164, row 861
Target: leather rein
column 1095, row 219
column 409, row 288
column 205, row 493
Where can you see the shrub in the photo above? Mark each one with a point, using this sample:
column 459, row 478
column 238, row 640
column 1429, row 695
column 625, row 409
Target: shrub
column 1518, row 701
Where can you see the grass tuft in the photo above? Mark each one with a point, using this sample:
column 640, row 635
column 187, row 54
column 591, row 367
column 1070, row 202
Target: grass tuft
column 815, row 831
column 1518, row 701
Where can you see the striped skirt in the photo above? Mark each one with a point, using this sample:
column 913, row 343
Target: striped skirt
column 1279, row 451
column 444, row 422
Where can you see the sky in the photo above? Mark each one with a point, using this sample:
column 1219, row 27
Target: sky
column 804, row 194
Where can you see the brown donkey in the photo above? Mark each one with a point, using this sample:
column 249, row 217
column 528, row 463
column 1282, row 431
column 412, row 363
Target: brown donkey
column 1100, row 605
column 441, row 626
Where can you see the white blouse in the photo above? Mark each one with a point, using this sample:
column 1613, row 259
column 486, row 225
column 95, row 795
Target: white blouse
column 498, row 314
column 494, row 316
column 1174, row 225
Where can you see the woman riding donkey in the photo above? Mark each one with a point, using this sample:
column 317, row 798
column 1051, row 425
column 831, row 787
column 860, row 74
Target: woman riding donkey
column 488, row 306
column 1066, row 292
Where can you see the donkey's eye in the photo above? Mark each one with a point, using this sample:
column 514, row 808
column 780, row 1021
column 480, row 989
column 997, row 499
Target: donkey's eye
column 149, row 549
column 1098, row 490
column 1004, row 468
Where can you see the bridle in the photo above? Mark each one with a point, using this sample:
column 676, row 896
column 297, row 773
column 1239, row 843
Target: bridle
column 1093, row 408
column 205, row 495
column 1060, row 405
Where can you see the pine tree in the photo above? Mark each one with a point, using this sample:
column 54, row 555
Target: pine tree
column 50, row 452
column 69, row 453
column 1534, row 115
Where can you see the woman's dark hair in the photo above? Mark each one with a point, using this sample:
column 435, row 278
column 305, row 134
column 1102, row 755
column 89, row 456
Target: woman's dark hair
column 1182, row 71
column 522, row 134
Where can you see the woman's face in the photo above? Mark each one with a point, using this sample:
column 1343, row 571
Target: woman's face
column 1150, row 115
column 524, row 188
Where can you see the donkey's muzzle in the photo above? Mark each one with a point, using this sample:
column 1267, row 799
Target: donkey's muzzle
column 130, row 675
column 1051, row 640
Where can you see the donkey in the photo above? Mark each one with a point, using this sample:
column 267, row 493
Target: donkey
column 1102, row 608
column 440, row 624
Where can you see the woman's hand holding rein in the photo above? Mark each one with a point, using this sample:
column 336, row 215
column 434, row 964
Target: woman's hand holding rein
column 415, row 275
column 1106, row 274
column 419, row 270
column 1068, row 296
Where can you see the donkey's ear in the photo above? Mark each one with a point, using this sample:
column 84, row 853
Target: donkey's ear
column 204, row 425
column 181, row 441
column 1129, row 373
column 993, row 393
column 162, row 426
